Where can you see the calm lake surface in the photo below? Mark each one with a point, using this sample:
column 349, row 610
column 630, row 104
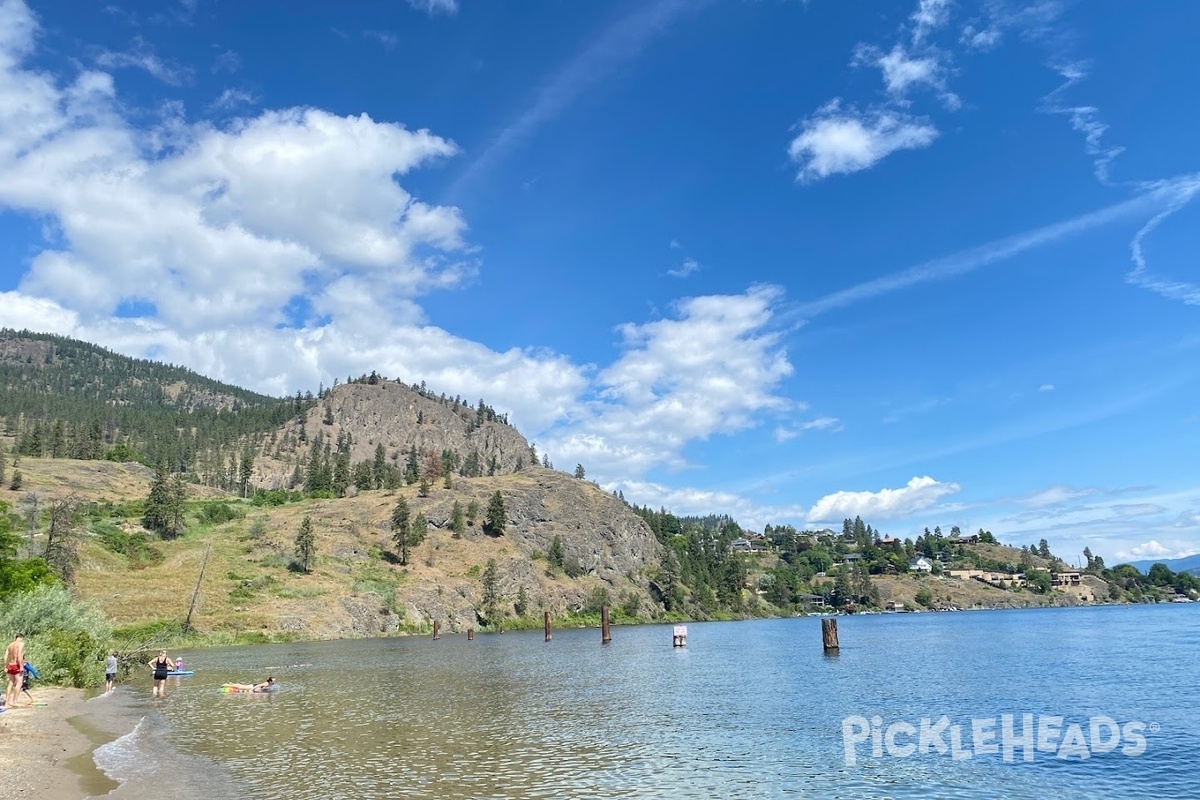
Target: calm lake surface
column 746, row 710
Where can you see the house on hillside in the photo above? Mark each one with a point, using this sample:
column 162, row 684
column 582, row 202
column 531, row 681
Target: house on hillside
column 741, row 545
column 851, row 558
column 887, row 541
column 920, row 564
column 972, row 538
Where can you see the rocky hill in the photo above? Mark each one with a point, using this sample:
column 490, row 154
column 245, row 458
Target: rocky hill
column 402, row 418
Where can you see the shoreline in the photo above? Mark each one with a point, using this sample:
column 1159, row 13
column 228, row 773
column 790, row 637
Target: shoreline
column 47, row 750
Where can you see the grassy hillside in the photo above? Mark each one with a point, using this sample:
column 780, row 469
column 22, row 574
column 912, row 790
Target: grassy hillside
column 357, row 586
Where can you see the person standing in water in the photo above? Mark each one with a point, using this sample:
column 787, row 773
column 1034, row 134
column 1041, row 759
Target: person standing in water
column 14, row 664
column 161, row 666
column 110, row 671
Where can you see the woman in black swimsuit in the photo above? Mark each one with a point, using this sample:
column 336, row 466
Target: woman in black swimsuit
column 161, row 666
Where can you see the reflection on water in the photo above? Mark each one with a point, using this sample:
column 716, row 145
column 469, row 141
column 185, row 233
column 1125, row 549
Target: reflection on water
column 747, row 710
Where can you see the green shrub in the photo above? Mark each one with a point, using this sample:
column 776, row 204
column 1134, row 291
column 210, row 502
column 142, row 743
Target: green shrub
column 216, row 512
column 64, row 639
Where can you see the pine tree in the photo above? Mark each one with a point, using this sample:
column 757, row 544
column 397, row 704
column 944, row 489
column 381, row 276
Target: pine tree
column 400, row 528
column 472, row 512
column 491, row 591
column 458, row 522
column 579, row 472
column 377, row 467
column 306, row 545
column 3, row 464
column 496, row 520
column 157, row 515
column 246, row 469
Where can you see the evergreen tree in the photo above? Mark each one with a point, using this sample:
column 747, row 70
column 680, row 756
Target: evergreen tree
column 423, row 490
column 246, row 469
column 378, row 466
column 3, row 463
column 401, row 528
column 458, row 522
column 579, row 473
column 491, row 591
column 496, row 520
column 341, row 474
column 472, row 512
column 555, row 556
column 158, row 514
column 1043, row 549
column 15, row 485
column 419, row 530
column 306, row 545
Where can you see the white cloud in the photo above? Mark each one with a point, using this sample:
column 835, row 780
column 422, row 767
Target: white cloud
column 1150, row 549
column 900, row 70
column 1188, row 519
column 929, row 16
column 142, row 56
column 227, row 61
column 837, row 140
column 918, row 494
column 1182, row 192
column 433, row 7
column 1056, row 495
column 977, row 39
column 388, row 39
column 686, row 268
column 232, row 98
column 787, row 433
column 1171, row 193
column 675, row 245
column 711, row 370
column 1046, row 387
column 619, row 44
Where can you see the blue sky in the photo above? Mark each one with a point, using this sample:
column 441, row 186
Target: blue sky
column 930, row 262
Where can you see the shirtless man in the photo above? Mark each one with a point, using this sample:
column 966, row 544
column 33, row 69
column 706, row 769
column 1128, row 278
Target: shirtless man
column 14, row 663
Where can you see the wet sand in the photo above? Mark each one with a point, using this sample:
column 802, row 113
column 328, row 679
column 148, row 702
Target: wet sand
column 47, row 750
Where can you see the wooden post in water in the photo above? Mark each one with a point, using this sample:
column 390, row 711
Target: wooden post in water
column 829, row 636
column 605, row 633
column 470, row 634
column 437, row 629
column 548, row 626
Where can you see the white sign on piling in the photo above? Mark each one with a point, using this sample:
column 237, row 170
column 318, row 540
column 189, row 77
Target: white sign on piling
column 679, row 637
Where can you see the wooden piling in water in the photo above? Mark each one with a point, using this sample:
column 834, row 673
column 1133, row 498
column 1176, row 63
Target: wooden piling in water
column 437, row 630
column 547, row 620
column 605, row 632
column 470, row 634
column 829, row 635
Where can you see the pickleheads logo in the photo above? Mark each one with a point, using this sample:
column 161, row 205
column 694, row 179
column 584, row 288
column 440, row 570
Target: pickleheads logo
column 989, row 736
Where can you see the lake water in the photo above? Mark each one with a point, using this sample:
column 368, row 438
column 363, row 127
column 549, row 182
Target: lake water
column 747, row 710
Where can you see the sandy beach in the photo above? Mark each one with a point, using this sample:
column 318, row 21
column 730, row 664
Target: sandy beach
column 43, row 753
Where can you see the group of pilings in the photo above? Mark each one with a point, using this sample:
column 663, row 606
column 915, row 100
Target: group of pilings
column 829, row 632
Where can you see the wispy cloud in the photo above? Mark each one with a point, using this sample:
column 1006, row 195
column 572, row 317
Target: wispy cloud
column 142, row 56
column 226, row 61
column 1085, row 119
column 1171, row 194
column 434, row 7
column 688, row 266
column 232, row 98
column 622, row 42
column 1189, row 293
column 386, row 38
column 1046, row 387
